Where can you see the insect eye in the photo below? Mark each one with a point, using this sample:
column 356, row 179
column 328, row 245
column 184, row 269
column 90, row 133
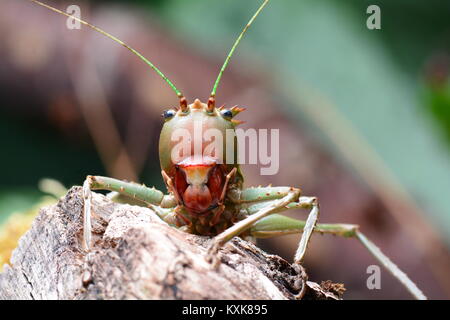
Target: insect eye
column 227, row 114
column 168, row 114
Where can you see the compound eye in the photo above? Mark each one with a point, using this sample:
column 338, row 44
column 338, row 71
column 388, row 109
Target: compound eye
column 169, row 114
column 227, row 114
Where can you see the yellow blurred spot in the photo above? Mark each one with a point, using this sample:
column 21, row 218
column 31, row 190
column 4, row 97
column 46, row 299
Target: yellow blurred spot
column 15, row 227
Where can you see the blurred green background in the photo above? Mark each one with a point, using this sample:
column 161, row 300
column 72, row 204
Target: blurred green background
column 392, row 85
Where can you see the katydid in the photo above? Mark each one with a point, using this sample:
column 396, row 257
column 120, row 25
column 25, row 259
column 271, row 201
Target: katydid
column 206, row 196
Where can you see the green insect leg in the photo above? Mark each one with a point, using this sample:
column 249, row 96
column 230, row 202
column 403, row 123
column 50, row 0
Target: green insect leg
column 291, row 195
column 261, row 197
column 277, row 225
column 149, row 196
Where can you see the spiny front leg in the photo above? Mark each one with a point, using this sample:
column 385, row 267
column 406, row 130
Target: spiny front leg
column 149, row 196
column 258, row 198
column 291, row 195
column 263, row 201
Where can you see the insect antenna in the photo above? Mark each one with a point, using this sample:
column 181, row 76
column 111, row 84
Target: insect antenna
column 183, row 102
column 211, row 100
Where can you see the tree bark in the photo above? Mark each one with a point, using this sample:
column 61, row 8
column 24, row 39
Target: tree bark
column 138, row 256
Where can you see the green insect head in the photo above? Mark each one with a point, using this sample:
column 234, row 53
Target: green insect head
column 198, row 149
column 199, row 130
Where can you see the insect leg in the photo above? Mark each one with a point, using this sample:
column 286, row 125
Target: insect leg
column 279, row 196
column 259, row 194
column 225, row 186
column 245, row 224
column 149, row 196
column 221, row 207
column 307, row 230
column 169, row 184
column 276, row 225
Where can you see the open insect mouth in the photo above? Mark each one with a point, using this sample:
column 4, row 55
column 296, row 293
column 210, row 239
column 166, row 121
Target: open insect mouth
column 199, row 186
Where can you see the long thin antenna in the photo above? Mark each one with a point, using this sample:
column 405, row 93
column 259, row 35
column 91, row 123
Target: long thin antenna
column 216, row 84
column 178, row 92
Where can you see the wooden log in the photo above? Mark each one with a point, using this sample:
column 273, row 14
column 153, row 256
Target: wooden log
column 138, row 256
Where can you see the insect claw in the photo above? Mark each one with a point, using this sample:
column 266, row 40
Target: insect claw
column 222, row 107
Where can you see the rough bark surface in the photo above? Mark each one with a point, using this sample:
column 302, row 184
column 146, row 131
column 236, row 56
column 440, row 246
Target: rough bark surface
column 137, row 256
